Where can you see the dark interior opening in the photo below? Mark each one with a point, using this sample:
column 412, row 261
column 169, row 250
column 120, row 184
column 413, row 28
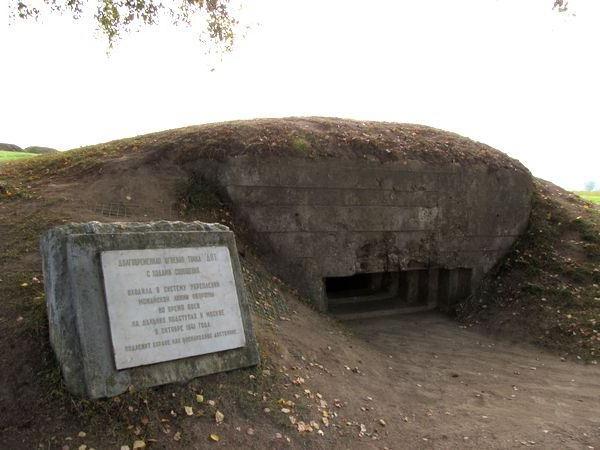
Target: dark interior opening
column 370, row 292
column 361, row 284
column 410, row 290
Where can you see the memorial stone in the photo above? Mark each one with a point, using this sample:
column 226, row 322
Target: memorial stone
column 133, row 304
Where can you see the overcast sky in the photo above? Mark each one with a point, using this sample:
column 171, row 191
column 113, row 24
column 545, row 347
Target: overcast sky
column 511, row 73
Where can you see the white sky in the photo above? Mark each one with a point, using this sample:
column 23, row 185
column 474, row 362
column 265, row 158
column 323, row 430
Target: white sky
column 511, row 73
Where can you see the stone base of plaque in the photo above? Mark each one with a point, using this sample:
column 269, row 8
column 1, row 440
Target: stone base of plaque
column 92, row 338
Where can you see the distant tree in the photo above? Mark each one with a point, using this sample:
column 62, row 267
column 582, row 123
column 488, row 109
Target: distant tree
column 215, row 18
column 590, row 186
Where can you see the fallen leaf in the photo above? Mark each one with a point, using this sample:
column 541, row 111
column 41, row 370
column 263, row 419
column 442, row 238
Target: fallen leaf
column 177, row 436
column 199, row 398
column 82, row 434
column 219, row 416
column 302, row 427
column 214, row 437
column 189, row 410
column 139, row 444
column 281, row 401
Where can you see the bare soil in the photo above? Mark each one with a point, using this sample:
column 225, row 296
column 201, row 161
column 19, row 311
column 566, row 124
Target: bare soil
column 468, row 391
column 419, row 381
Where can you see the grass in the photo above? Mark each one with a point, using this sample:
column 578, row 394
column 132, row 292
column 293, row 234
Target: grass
column 11, row 156
column 590, row 196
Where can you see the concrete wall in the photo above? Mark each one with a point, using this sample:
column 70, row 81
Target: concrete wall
column 441, row 226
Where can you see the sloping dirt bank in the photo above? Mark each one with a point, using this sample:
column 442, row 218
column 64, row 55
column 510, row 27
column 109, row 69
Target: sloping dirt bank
column 547, row 290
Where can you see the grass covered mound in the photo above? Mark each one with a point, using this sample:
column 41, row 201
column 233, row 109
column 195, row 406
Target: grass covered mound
column 38, row 150
column 548, row 288
column 310, row 137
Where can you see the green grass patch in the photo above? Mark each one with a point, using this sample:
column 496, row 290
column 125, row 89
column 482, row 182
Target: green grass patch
column 593, row 196
column 11, row 156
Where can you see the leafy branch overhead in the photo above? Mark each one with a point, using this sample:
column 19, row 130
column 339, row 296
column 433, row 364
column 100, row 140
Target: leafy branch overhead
column 214, row 19
column 561, row 5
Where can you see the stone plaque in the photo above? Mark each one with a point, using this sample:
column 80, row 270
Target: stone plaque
column 145, row 304
column 166, row 304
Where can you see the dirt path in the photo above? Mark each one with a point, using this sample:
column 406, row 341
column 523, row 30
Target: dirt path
column 436, row 385
column 481, row 392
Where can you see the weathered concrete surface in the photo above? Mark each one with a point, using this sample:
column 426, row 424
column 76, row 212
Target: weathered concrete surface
column 441, row 226
column 77, row 311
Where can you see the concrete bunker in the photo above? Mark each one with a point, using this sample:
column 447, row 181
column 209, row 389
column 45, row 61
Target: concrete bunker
column 403, row 227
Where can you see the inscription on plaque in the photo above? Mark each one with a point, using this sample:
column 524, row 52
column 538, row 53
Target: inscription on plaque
column 166, row 304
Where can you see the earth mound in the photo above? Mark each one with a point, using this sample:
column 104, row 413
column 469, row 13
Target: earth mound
column 317, row 137
column 414, row 381
column 10, row 147
column 40, row 150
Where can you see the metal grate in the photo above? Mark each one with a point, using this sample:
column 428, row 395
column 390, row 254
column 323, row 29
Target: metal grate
column 117, row 209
